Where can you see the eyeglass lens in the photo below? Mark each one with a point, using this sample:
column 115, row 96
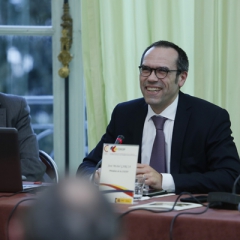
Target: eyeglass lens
column 159, row 72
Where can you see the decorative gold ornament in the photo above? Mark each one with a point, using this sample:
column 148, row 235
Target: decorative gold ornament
column 66, row 41
column 63, row 72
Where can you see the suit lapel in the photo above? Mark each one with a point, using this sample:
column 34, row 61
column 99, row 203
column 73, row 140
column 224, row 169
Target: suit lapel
column 2, row 117
column 138, row 125
column 180, row 125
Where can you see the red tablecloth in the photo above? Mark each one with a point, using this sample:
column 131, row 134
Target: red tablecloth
column 214, row 224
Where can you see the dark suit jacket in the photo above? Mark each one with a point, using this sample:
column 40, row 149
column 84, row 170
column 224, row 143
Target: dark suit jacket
column 204, row 157
column 14, row 112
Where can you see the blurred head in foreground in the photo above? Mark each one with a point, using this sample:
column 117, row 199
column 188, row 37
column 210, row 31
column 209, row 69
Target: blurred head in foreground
column 73, row 210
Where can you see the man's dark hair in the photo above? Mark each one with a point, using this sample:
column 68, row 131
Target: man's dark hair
column 73, row 210
column 182, row 61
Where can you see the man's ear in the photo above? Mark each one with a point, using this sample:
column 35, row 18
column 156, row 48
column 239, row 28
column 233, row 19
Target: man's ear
column 182, row 78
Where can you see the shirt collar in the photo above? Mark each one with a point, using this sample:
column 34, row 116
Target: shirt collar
column 169, row 112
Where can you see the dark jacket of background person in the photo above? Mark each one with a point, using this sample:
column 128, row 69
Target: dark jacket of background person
column 204, row 157
column 15, row 113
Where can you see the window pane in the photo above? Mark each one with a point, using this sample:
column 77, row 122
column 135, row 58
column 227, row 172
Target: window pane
column 25, row 12
column 26, row 65
column 42, row 122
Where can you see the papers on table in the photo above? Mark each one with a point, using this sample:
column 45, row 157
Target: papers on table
column 158, row 196
column 167, row 205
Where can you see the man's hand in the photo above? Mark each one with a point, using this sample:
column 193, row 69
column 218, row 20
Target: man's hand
column 153, row 178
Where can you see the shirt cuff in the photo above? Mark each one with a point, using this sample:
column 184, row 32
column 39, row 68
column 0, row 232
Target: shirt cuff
column 167, row 182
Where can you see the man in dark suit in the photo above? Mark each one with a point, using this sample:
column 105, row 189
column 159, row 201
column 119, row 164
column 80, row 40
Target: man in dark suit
column 15, row 113
column 200, row 153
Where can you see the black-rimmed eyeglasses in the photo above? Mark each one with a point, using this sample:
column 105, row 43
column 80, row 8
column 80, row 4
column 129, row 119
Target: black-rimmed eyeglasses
column 160, row 72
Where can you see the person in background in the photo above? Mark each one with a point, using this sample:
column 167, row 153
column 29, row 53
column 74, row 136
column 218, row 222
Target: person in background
column 75, row 210
column 200, row 153
column 15, row 113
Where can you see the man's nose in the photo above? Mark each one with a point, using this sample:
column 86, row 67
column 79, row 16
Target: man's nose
column 152, row 76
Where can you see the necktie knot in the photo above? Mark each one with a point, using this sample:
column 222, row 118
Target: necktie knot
column 159, row 122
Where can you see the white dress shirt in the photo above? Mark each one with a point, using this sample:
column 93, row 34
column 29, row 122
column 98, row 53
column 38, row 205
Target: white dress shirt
column 149, row 132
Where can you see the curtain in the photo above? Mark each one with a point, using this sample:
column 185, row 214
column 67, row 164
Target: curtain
column 116, row 32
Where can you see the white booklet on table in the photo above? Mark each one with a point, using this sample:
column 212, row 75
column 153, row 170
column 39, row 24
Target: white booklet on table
column 167, row 205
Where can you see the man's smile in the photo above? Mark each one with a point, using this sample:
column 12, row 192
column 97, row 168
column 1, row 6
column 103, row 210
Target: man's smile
column 153, row 89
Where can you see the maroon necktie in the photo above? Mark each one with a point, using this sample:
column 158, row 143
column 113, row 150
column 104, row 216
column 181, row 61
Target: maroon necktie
column 158, row 156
